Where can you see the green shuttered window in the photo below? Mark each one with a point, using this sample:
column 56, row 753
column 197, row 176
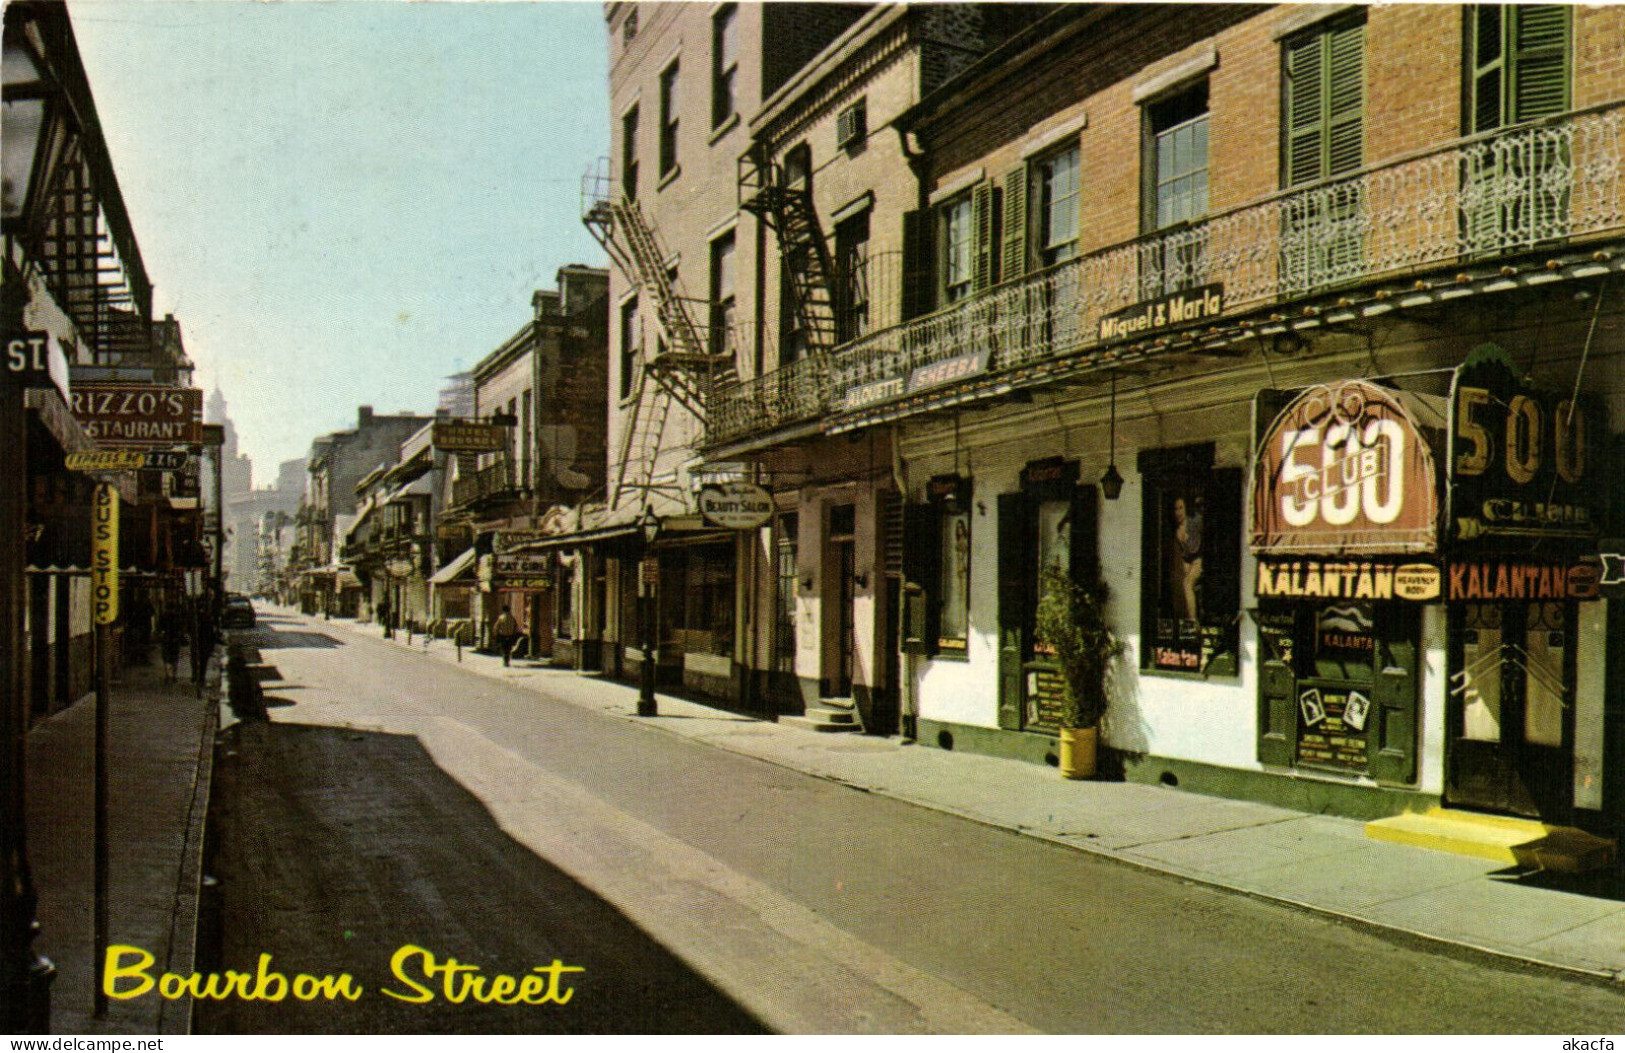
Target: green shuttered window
column 1325, row 104
column 1520, row 64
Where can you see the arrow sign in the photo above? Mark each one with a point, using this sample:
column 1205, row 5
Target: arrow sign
column 1613, row 564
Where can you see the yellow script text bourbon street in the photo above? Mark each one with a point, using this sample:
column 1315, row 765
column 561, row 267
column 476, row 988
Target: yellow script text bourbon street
column 128, row 974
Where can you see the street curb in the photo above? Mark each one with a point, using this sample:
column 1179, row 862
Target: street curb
column 1509, row 958
column 197, row 832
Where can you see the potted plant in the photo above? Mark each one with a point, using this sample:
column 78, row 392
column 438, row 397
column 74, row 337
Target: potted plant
column 1071, row 626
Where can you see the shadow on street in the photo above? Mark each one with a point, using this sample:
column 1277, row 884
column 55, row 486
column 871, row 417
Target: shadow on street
column 334, row 847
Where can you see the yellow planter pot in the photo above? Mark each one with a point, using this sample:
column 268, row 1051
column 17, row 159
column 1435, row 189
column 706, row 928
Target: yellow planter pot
column 1078, row 747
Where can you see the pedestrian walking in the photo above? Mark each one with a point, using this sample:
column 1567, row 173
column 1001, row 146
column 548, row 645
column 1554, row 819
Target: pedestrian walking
column 505, row 630
column 171, row 637
column 203, row 639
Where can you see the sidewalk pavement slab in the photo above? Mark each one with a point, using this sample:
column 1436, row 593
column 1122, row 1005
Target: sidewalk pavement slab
column 1318, row 862
column 160, row 760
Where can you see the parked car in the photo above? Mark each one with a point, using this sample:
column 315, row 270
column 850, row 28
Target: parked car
column 238, row 612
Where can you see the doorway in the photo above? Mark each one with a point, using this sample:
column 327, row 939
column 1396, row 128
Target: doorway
column 843, row 554
column 1511, row 711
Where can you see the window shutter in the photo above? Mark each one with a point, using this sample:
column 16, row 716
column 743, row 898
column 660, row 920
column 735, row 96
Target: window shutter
column 1391, row 725
column 1488, row 57
column 1277, row 711
column 1345, row 117
column 919, row 276
column 1540, row 71
column 1305, row 132
column 1014, row 262
column 1085, row 554
column 1221, row 542
column 922, row 542
column 984, row 220
column 1017, row 550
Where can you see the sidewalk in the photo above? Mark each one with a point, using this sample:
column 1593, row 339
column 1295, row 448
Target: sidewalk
column 1320, row 863
column 160, row 758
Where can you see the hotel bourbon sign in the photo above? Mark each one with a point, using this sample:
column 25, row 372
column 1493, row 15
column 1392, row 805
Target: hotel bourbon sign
column 1344, row 470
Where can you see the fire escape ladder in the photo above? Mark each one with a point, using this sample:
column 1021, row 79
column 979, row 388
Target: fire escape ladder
column 640, row 443
column 788, row 208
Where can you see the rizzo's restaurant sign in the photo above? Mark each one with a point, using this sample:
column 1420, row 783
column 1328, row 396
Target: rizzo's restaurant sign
column 1524, row 463
column 1344, row 470
column 137, row 415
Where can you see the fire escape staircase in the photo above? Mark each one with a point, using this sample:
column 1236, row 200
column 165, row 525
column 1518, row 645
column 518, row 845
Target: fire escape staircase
column 786, row 206
column 682, row 369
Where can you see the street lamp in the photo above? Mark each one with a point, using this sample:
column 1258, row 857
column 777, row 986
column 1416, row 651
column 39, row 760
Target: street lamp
column 648, row 530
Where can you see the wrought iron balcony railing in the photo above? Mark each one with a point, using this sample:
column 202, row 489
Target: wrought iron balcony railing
column 1488, row 196
column 497, row 478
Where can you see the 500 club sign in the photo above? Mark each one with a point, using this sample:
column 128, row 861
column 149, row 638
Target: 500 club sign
column 1522, row 460
column 1344, row 470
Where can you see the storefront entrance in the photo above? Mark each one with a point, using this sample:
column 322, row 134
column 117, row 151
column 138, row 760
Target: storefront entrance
column 1511, row 711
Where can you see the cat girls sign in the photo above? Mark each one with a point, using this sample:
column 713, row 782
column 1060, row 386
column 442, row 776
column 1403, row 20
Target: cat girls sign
column 1344, row 470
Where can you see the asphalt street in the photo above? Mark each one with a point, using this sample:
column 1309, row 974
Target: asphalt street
column 397, row 801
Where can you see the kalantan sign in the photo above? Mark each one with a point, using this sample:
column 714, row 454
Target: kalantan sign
column 1347, row 580
column 1524, row 463
column 1344, row 470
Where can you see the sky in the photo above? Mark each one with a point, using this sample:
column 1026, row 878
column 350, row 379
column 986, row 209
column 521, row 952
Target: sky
column 344, row 202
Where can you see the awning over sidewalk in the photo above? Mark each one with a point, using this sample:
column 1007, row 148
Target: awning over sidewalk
column 458, row 567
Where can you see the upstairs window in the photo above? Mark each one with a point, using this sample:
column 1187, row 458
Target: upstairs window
column 1519, row 58
column 1055, row 195
column 724, row 64
column 1178, row 158
column 630, row 339
column 668, row 120
column 852, row 277
column 722, row 296
column 1176, row 192
column 629, row 154
column 1324, row 105
column 957, row 250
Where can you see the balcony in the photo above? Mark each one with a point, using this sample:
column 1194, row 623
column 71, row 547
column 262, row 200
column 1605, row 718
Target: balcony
column 1477, row 201
column 494, row 480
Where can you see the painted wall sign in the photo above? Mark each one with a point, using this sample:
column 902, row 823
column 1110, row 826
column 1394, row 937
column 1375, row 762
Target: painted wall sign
column 138, row 415
column 1347, row 580
column 1050, row 471
column 735, row 506
column 104, row 555
column 1148, row 316
column 1514, row 580
column 459, row 436
column 1344, row 470
column 1524, row 462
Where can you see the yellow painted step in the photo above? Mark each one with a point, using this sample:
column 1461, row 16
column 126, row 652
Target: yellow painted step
column 1499, row 838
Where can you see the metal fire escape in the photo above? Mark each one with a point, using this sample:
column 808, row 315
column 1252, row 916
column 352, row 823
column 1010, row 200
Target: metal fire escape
column 681, row 368
column 785, row 205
